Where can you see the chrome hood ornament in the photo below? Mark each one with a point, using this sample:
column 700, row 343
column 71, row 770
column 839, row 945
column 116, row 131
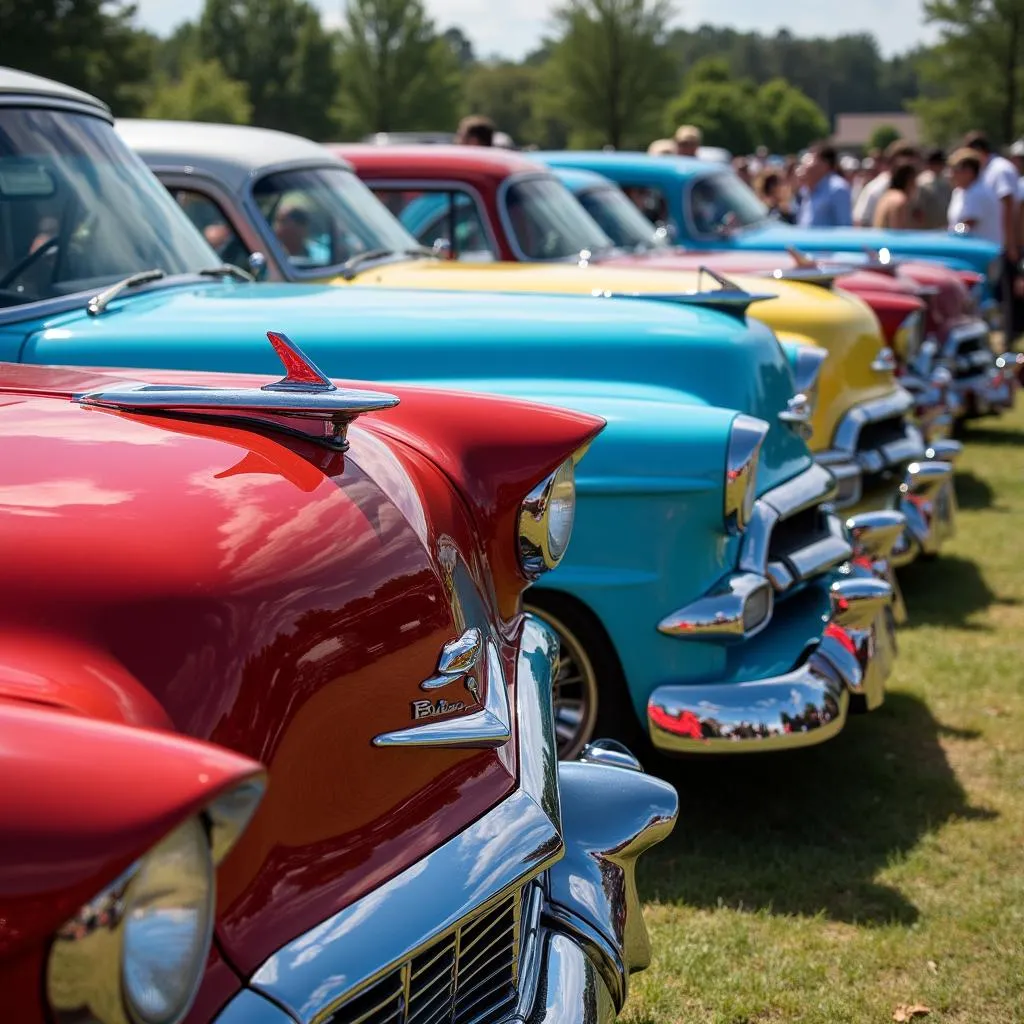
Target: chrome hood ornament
column 302, row 403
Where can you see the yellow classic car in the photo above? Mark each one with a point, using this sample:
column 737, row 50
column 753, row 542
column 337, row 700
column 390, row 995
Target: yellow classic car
column 291, row 210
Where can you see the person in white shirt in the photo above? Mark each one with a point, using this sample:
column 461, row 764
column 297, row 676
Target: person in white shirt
column 973, row 207
column 1001, row 177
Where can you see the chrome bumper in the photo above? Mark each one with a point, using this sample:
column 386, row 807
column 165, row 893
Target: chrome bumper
column 568, row 838
column 984, row 394
column 928, row 501
column 806, row 706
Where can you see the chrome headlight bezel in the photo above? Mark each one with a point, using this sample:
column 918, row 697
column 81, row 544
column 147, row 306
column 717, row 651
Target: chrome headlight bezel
column 86, row 972
column 746, row 436
column 546, row 519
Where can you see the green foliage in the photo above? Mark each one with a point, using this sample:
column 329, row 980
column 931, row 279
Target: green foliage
column 609, row 72
column 397, row 73
column 203, row 93
column 280, row 50
column 973, row 78
column 727, row 112
column 507, row 94
column 883, row 137
column 89, row 44
column 789, row 119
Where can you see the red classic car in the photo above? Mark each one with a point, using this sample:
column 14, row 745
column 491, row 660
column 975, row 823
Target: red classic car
column 205, row 574
column 927, row 310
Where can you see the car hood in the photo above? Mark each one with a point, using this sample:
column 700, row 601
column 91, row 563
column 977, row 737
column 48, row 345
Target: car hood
column 373, row 333
column 286, row 609
column 970, row 253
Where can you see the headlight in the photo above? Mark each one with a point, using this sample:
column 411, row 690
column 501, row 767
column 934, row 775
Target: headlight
column 745, row 439
column 545, row 521
column 168, row 926
column 909, row 336
column 136, row 953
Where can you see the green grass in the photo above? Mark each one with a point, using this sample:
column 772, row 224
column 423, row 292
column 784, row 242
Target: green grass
column 885, row 867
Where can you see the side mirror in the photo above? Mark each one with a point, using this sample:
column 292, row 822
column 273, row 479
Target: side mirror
column 669, row 232
column 258, row 265
column 443, row 247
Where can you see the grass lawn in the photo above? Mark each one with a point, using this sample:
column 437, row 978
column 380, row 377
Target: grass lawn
column 886, row 867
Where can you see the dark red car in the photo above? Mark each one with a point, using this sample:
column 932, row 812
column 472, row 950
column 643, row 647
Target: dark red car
column 204, row 575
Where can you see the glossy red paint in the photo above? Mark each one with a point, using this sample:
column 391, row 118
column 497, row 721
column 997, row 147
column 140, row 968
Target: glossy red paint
column 279, row 600
column 81, row 800
column 891, row 309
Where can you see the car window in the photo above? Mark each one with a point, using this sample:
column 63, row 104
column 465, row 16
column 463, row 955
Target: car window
column 324, row 216
column 548, row 223
column 79, row 211
column 448, row 219
column 207, row 215
column 620, row 219
column 651, row 202
column 720, row 203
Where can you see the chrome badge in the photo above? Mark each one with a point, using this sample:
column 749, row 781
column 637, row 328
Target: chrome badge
column 467, row 659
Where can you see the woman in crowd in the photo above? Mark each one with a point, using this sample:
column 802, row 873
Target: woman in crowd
column 894, row 208
column 772, row 192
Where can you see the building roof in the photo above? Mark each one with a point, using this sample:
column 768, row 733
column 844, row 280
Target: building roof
column 20, row 83
column 855, row 130
column 233, row 154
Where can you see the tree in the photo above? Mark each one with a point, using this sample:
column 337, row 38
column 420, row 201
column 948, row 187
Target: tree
column 203, row 93
column 397, row 73
column 610, row 70
column 883, row 137
column 89, row 44
column 461, row 47
column 972, row 78
column 280, row 50
column 789, row 119
column 506, row 93
column 725, row 109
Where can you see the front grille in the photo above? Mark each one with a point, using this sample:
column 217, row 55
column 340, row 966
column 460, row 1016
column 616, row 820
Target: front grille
column 880, row 433
column 796, row 532
column 467, row 976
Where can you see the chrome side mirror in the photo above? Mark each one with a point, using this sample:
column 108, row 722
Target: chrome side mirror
column 442, row 248
column 258, row 265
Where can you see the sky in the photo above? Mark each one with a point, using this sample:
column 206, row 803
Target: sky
column 512, row 29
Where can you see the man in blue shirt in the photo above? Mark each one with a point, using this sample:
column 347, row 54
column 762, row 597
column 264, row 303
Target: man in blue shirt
column 825, row 200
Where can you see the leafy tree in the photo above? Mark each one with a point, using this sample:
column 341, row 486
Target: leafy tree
column 610, row 71
column 883, row 137
column 461, row 47
column 507, row 94
column 89, row 44
column 973, row 78
column 204, row 93
column 397, row 73
column 178, row 51
column 725, row 109
column 280, row 50
column 789, row 119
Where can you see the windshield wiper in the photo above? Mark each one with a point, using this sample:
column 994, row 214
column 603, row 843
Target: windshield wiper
column 98, row 303
column 424, row 251
column 227, row 270
column 349, row 267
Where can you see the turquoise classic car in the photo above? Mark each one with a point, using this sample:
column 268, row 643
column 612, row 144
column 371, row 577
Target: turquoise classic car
column 706, row 206
column 711, row 599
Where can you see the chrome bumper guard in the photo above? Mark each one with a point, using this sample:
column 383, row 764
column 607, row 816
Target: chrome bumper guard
column 567, row 839
column 983, row 383
column 928, row 501
column 850, row 464
column 875, row 535
column 806, row 706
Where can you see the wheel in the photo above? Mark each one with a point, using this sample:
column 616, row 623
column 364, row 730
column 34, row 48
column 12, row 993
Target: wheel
column 589, row 693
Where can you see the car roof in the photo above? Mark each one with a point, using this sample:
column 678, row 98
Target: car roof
column 637, row 163
column 485, row 161
column 20, row 84
column 229, row 152
column 578, row 180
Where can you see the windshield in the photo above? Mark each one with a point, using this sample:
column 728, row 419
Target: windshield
column 547, row 223
column 721, row 203
column 324, row 216
column 79, row 211
column 620, row 219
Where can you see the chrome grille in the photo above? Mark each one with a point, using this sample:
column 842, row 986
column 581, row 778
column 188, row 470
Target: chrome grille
column 467, row 976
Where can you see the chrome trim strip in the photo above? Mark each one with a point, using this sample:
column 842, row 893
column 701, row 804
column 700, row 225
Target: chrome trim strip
column 809, row 361
column 897, row 403
column 746, row 435
column 457, row 658
column 813, row 486
column 512, row 843
column 814, row 559
column 721, row 613
column 573, row 990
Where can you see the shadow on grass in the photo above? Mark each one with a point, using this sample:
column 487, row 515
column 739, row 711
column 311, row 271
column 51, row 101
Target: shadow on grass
column 993, row 435
column 928, row 584
column 974, row 493
column 806, row 832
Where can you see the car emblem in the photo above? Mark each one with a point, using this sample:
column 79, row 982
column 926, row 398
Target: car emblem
column 468, row 658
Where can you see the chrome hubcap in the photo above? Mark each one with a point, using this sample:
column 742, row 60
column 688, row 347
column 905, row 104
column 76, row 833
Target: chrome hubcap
column 574, row 691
